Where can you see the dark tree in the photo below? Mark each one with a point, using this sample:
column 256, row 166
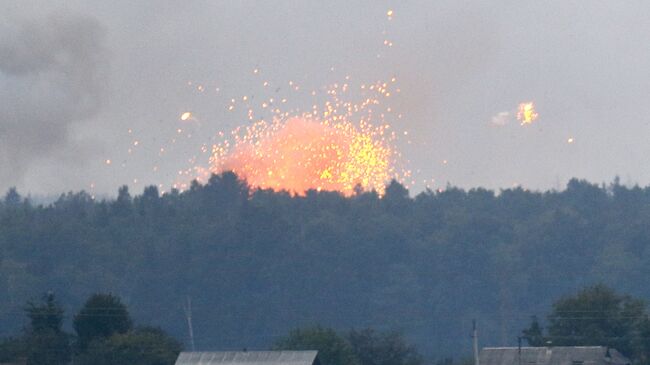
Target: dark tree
column 101, row 316
column 534, row 334
column 332, row 348
column 597, row 316
column 46, row 343
column 142, row 346
column 12, row 198
column 374, row 348
column 396, row 197
column 46, row 316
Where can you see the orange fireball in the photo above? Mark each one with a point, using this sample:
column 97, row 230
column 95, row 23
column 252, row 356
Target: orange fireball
column 300, row 153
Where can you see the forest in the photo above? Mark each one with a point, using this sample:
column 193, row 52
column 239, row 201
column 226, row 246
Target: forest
column 256, row 263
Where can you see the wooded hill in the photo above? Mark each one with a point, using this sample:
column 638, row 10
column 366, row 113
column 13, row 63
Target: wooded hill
column 258, row 263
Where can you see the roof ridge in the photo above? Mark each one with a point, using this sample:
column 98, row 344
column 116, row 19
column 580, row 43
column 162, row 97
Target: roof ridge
column 268, row 357
column 543, row 347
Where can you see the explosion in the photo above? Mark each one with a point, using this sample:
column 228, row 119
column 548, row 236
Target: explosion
column 343, row 142
column 526, row 113
column 303, row 153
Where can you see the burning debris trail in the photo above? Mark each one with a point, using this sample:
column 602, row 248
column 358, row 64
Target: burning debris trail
column 525, row 113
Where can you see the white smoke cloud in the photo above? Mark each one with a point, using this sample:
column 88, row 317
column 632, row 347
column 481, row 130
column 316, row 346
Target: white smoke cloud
column 52, row 73
column 501, row 119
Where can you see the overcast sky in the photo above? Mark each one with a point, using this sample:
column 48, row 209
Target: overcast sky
column 76, row 76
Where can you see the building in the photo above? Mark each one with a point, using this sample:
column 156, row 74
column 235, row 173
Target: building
column 249, row 358
column 561, row 355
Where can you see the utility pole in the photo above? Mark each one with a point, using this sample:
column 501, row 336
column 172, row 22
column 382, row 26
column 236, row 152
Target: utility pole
column 188, row 315
column 475, row 342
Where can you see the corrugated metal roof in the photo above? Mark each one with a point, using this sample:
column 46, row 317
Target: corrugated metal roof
column 577, row 355
column 247, row 358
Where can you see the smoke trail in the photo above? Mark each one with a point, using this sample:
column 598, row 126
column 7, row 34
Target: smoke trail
column 52, row 75
column 501, row 118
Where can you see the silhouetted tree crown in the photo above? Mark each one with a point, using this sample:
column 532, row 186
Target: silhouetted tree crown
column 534, row 334
column 332, row 348
column 45, row 342
column 142, row 346
column 375, row 348
column 102, row 316
column 596, row 316
column 45, row 316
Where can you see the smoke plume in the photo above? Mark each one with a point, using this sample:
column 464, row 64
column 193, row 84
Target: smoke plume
column 52, row 74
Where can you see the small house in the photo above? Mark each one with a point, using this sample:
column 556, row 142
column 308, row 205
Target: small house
column 561, row 355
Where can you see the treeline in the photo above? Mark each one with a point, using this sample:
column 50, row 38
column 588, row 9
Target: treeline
column 103, row 335
column 256, row 264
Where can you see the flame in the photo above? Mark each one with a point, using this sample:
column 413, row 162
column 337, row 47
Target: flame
column 301, row 153
column 526, row 113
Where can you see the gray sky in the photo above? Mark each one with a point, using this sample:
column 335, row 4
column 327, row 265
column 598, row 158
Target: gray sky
column 75, row 76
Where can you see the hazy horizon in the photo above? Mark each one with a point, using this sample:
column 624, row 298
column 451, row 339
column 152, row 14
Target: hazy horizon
column 91, row 81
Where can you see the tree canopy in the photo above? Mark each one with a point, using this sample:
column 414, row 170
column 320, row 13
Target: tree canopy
column 596, row 316
column 142, row 346
column 104, row 327
column 375, row 348
column 102, row 316
column 255, row 263
column 333, row 349
column 357, row 347
column 45, row 341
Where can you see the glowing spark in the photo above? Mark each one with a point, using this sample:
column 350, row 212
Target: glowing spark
column 186, row 116
column 570, row 140
column 526, row 113
column 108, row 162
